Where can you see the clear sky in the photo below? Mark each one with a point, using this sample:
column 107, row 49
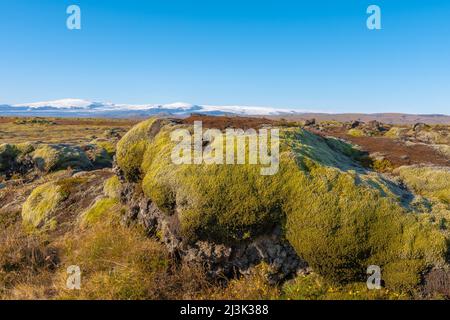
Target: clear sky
column 314, row 55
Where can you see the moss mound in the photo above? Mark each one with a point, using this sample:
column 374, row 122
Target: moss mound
column 8, row 154
column 432, row 182
column 356, row 133
column 39, row 208
column 111, row 188
column 107, row 145
column 55, row 157
column 44, row 204
column 314, row 287
column 339, row 217
column 396, row 132
column 12, row 154
column 131, row 148
column 99, row 210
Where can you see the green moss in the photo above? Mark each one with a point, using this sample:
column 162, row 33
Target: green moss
column 8, row 154
column 338, row 216
column 68, row 185
column 396, row 132
column 11, row 154
column 131, row 148
column 220, row 202
column 112, row 187
column 341, row 228
column 55, row 157
column 382, row 165
column 25, row 148
column 46, row 158
column 356, row 133
column 314, row 287
column 40, row 206
column 432, row 182
column 108, row 146
column 98, row 156
column 39, row 209
column 98, row 211
column 402, row 275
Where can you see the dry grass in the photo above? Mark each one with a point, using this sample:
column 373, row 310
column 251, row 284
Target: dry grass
column 76, row 131
column 26, row 261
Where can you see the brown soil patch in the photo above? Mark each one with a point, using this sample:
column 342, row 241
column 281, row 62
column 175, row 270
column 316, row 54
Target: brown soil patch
column 396, row 151
column 223, row 123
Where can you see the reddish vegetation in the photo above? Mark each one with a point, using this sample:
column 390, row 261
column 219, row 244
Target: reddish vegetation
column 396, row 151
column 222, row 123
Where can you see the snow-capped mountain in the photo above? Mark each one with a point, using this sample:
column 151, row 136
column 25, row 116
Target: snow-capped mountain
column 79, row 107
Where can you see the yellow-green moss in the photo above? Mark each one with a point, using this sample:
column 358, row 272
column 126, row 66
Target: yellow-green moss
column 396, row 132
column 68, row 185
column 38, row 209
column 382, row 165
column 112, row 187
column 314, row 287
column 340, row 228
column 109, row 146
column 98, row 156
column 45, row 157
column 402, row 275
column 432, row 182
column 356, row 132
column 8, row 154
column 53, row 157
column 221, row 202
column 337, row 216
column 131, row 149
column 98, row 211
column 25, row 147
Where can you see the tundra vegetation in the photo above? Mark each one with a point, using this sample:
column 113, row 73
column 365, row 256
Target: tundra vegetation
column 339, row 211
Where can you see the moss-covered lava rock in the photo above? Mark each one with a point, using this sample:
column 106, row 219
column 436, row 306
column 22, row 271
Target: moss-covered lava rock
column 338, row 216
column 61, row 156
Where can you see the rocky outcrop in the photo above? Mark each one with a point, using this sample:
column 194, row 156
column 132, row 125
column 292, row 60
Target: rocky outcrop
column 321, row 203
column 26, row 159
column 219, row 260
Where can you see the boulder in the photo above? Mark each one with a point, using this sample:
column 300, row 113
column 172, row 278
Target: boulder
column 60, row 156
column 334, row 214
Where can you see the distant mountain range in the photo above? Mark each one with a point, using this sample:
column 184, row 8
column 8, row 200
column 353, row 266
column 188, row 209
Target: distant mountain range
column 82, row 108
column 85, row 108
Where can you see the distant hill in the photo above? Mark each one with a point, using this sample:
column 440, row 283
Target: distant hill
column 393, row 118
column 85, row 108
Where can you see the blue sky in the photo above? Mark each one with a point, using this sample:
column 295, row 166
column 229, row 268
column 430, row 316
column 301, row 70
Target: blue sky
column 314, row 55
